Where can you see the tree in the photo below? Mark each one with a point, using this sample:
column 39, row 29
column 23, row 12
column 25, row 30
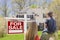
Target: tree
column 20, row 3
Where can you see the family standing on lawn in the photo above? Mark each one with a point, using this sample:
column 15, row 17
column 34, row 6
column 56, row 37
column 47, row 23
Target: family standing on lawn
column 49, row 32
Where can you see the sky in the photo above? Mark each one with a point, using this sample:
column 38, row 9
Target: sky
column 9, row 5
column 1, row 7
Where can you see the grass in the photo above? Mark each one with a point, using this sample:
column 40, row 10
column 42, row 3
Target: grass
column 13, row 37
column 59, row 35
column 19, row 36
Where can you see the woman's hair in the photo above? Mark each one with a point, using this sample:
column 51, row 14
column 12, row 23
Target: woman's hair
column 32, row 31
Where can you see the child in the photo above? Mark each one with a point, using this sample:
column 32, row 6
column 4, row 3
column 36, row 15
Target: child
column 44, row 35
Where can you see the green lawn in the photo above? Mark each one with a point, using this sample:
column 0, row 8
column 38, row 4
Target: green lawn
column 18, row 36
column 13, row 37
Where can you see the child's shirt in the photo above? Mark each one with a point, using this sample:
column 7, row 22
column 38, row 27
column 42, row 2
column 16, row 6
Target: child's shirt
column 45, row 30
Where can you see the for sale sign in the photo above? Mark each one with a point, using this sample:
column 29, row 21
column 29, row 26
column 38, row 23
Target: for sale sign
column 15, row 26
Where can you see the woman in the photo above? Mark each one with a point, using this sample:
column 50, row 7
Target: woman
column 32, row 32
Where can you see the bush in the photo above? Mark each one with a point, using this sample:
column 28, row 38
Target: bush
column 2, row 32
column 2, row 27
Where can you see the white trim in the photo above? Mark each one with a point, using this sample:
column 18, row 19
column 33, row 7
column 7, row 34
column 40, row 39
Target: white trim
column 15, row 31
column 13, row 18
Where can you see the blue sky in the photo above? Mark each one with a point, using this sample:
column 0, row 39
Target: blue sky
column 9, row 5
column 49, row 1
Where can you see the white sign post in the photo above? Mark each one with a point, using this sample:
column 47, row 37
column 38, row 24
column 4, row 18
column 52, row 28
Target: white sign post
column 17, row 25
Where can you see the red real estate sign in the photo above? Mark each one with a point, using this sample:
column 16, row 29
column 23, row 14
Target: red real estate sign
column 15, row 26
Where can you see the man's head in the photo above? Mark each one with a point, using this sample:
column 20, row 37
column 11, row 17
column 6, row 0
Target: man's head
column 50, row 14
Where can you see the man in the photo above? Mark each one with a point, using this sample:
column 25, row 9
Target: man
column 51, row 26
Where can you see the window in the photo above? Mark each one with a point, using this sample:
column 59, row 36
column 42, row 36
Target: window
column 20, row 16
column 44, row 16
column 30, row 16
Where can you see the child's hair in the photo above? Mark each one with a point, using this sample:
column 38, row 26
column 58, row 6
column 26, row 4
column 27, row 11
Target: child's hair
column 32, row 31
